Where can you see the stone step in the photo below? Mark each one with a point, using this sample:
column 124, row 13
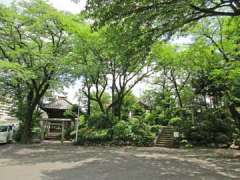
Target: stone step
column 164, row 142
column 52, row 136
column 168, row 132
column 164, row 145
column 166, row 135
column 168, row 128
column 166, row 138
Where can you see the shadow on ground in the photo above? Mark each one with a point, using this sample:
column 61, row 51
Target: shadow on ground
column 67, row 162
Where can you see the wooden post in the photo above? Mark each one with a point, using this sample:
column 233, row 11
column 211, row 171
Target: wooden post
column 62, row 137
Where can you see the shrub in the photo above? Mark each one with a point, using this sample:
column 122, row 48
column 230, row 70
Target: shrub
column 68, row 133
column 18, row 133
column 236, row 137
column 122, row 131
column 155, row 129
column 185, row 143
column 214, row 126
column 142, row 132
column 150, row 118
column 162, row 119
column 99, row 121
column 133, row 131
column 221, row 138
column 93, row 136
column 176, row 121
column 156, row 118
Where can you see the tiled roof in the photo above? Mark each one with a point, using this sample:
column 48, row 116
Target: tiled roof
column 59, row 103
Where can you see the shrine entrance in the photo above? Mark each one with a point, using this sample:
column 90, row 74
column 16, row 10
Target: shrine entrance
column 55, row 126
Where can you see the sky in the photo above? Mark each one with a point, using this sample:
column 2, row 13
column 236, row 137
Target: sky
column 69, row 6
column 64, row 5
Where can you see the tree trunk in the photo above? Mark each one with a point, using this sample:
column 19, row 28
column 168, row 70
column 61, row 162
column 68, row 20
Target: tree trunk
column 176, row 90
column 101, row 106
column 113, row 98
column 89, row 101
column 28, row 119
column 119, row 106
column 27, row 128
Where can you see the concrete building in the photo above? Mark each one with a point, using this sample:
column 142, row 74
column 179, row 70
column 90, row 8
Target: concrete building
column 5, row 109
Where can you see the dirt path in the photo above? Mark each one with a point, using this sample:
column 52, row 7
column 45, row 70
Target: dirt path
column 56, row 162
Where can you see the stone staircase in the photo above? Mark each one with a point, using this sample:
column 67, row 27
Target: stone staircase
column 165, row 137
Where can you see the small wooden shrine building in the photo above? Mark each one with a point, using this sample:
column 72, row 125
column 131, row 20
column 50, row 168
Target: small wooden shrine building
column 54, row 126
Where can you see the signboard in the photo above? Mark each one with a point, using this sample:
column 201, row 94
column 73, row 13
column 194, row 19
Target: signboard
column 176, row 134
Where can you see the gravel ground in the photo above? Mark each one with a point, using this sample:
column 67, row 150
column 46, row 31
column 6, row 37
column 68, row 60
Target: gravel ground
column 52, row 161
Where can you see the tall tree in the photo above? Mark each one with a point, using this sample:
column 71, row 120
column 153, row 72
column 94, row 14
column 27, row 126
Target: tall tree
column 104, row 61
column 165, row 16
column 33, row 37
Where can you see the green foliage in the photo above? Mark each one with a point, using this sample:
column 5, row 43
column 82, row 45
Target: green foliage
column 36, row 133
column 236, row 137
column 122, row 131
column 156, row 118
column 34, row 43
column 142, row 132
column 131, row 104
column 196, row 87
column 93, row 136
column 73, row 111
column 133, row 132
column 99, row 121
column 175, row 121
column 163, row 17
column 155, row 129
column 212, row 127
column 18, row 134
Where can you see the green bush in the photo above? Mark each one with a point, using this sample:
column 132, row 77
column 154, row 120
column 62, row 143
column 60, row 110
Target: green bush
column 68, row 133
column 99, row 121
column 162, row 119
column 155, row 129
column 134, row 132
column 93, row 136
column 236, row 137
column 150, row 118
column 156, row 118
column 185, row 143
column 18, row 133
column 175, row 121
column 142, row 132
column 36, row 134
column 221, row 138
column 122, row 131
column 213, row 126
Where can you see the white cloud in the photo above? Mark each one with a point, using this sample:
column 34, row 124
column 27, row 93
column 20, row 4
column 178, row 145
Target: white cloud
column 68, row 5
column 63, row 5
column 5, row 1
